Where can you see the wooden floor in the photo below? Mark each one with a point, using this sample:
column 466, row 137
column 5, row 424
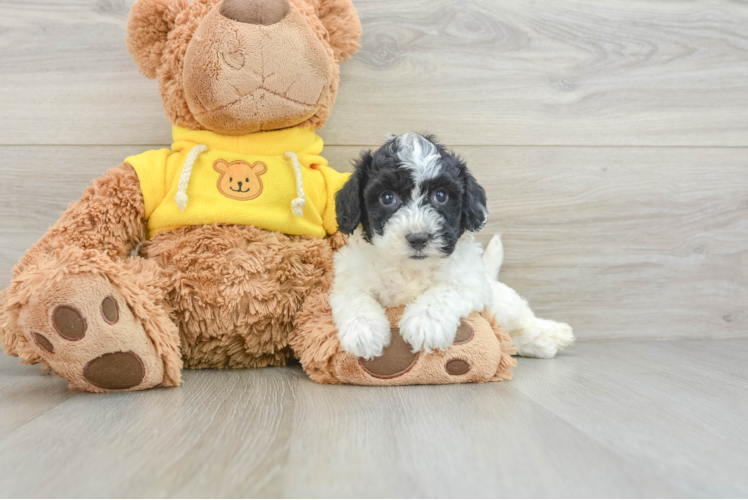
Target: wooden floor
column 612, row 139
column 606, row 419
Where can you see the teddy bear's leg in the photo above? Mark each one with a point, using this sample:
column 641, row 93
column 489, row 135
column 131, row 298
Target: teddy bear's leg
column 86, row 317
column 532, row 336
column 481, row 352
column 236, row 290
column 82, row 305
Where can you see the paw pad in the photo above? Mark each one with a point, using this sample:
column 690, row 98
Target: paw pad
column 69, row 323
column 110, row 310
column 44, row 342
column 457, row 366
column 396, row 360
column 115, row 371
column 465, row 334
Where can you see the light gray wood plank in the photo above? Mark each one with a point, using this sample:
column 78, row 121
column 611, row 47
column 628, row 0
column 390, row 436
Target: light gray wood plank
column 26, row 394
column 604, row 419
column 580, row 72
column 618, row 242
column 624, row 243
column 677, row 406
column 222, row 434
column 448, row 442
column 68, row 79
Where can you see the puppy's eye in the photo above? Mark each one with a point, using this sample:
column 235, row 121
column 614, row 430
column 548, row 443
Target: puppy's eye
column 440, row 196
column 388, row 199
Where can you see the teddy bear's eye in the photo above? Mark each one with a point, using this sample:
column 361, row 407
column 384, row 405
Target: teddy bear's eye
column 246, row 180
column 231, row 179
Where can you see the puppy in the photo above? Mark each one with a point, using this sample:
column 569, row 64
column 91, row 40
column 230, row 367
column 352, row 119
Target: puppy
column 412, row 208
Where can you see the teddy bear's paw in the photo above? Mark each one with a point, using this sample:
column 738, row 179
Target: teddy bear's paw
column 473, row 356
column 83, row 328
column 396, row 360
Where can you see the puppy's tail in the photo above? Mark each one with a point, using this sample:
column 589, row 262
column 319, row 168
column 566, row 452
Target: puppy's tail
column 493, row 257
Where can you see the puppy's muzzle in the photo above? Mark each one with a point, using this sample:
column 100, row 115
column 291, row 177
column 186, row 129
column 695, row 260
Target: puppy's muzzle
column 418, row 241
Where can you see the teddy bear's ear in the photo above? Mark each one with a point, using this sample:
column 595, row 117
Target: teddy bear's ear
column 221, row 166
column 342, row 23
column 259, row 168
column 147, row 30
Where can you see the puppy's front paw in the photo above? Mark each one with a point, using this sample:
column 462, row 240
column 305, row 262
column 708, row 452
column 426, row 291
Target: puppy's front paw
column 427, row 328
column 365, row 337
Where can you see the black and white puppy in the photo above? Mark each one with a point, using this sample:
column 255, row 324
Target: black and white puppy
column 412, row 208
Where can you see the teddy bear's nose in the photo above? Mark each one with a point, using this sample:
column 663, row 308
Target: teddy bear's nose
column 264, row 12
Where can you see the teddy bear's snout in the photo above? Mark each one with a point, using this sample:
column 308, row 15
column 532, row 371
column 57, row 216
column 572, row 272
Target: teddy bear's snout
column 257, row 76
column 262, row 12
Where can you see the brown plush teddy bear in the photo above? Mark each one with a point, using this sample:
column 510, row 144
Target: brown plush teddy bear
column 234, row 226
column 216, row 285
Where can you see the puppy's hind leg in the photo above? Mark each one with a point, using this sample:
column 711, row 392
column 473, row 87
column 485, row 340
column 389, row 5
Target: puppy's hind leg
column 533, row 337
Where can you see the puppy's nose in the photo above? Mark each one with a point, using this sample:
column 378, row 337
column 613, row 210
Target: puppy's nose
column 418, row 240
column 262, row 12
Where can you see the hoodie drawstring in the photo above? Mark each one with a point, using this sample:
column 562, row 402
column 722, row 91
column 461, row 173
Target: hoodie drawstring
column 184, row 179
column 297, row 205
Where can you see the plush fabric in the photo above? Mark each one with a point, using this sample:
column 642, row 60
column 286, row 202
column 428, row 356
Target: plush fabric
column 263, row 78
column 235, row 290
column 484, row 356
column 160, row 33
column 264, row 12
column 149, row 27
column 264, row 197
column 83, row 259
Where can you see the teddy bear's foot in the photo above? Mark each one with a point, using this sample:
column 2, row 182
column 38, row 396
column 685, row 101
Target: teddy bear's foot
column 481, row 352
column 478, row 354
column 83, row 328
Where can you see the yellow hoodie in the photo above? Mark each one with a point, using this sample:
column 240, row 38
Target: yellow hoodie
column 274, row 180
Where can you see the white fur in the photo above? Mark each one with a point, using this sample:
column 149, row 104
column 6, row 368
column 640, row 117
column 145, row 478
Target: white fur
column 533, row 337
column 437, row 293
column 420, row 156
column 410, row 219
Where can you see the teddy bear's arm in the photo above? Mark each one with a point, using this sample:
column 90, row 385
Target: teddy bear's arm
column 109, row 217
column 93, row 237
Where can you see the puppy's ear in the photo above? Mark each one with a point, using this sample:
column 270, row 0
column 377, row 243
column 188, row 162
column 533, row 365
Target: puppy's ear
column 474, row 209
column 349, row 202
column 148, row 29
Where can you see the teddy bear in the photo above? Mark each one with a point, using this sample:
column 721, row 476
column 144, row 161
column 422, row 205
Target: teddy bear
column 225, row 263
column 217, row 252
